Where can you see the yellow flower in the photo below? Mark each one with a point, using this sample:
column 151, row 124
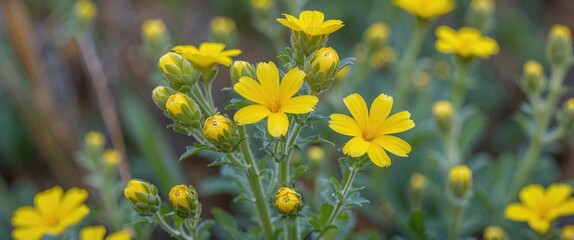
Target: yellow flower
column 53, row 212
column 569, row 104
column 261, row 4
column 166, row 59
column 486, row 5
column 466, row 43
column 311, row 23
column 377, row 32
column 208, row 54
column 216, row 126
column 111, row 157
column 533, row 68
column 143, row 197
column 326, row 58
column 560, row 31
column 273, row 98
column 98, row 232
column 541, row 207
column 153, row 28
column 287, row 201
column 567, row 233
column 135, row 186
column 460, row 174
column 175, row 104
column 426, row 9
column 222, row 25
column 315, row 153
column 95, row 139
column 371, row 130
column 184, row 200
column 418, row 181
column 494, row 233
column 442, row 110
column 85, row 10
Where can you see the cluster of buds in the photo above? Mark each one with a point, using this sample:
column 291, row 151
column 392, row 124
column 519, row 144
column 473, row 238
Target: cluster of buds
column 143, row 197
column 241, row 69
column 184, row 201
column 183, row 110
column 443, row 113
column 459, row 183
column 177, row 71
column 221, row 132
column 559, row 46
column 287, row 201
column 480, row 15
column 323, row 70
column 533, row 81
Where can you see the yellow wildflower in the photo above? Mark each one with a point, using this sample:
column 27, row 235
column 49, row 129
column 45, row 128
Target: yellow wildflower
column 94, row 140
column 377, row 32
column 494, row 233
column 486, row 5
column 222, row 25
column 111, row 157
column 153, row 28
column 567, row 233
column 98, row 232
column 216, row 126
column 466, row 42
column 418, row 181
column 540, row 207
column 287, row 201
column 426, row 9
column 371, row 129
column 273, row 98
column 311, row 23
column 261, row 4
column 53, row 212
column 315, row 153
column 175, row 104
column 183, row 199
column 208, row 54
column 560, row 31
column 85, row 10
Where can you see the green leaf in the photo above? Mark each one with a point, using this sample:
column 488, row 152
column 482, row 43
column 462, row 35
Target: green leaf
column 227, row 222
column 325, row 213
column 192, row 150
column 345, row 62
column 315, row 139
column 417, row 225
column 236, row 103
column 203, row 227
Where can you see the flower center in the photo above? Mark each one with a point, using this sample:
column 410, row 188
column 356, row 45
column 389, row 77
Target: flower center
column 274, row 106
column 370, row 133
column 51, row 221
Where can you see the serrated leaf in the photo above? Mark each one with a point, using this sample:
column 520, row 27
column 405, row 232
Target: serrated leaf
column 192, row 150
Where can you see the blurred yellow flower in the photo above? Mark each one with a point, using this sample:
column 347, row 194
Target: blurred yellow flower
column 208, row 55
column 287, row 201
column 261, row 4
column 421, row 80
column 311, row 23
column 418, row 181
column 315, row 153
column 466, row 42
column 53, row 212
column 222, row 25
column 111, row 157
column 371, row 129
column 567, row 233
column 426, row 9
column 494, row 233
column 560, row 31
column 377, row 32
column 540, row 207
column 85, row 10
column 98, row 232
column 273, row 98
column 175, row 104
column 343, row 73
column 485, row 5
column 382, row 57
column 569, row 104
column 153, row 28
column 460, row 174
column 216, row 126
column 532, row 68
column 94, row 139
column 442, row 109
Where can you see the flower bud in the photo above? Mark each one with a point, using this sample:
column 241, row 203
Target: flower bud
column 287, row 201
column 566, row 115
column 306, row 44
column 160, row 95
column 241, row 69
column 494, row 233
column 183, row 110
column 85, row 10
column 417, row 186
column 532, row 77
column 481, row 14
column 443, row 113
column 177, row 71
column 567, row 233
column 421, row 80
column 222, row 25
column 376, row 35
column 382, row 57
column 261, row 4
column 460, row 182
column 111, row 157
column 153, row 29
column 559, row 45
column 221, row 132
column 143, row 197
column 94, row 140
column 323, row 67
column 315, row 153
column 184, row 201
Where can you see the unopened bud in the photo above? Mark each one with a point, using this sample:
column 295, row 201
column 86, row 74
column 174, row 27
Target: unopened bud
column 323, row 70
column 222, row 30
column 183, row 110
column 261, row 4
column 95, row 140
column 184, row 201
column 153, row 29
column 481, row 14
column 143, row 197
column 221, row 132
column 160, row 94
column 111, row 157
column 443, row 113
column 566, row 115
column 382, row 57
column 306, row 44
column 421, row 80
column 287, row 201
column 85, row 10
column 177, row 71
column 559, row 45
column 377, row 34
column 460, row 182
column 241, row 69
column 494, row 233
column 533, row 80
column 417, row 186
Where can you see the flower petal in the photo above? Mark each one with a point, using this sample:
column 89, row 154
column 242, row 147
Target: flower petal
column 211, row 48
column 47, row 201
column 541, row 226
column 356, row 147
column 268, row 77
column 517, row 212
column 119, row 235
column 358, row 108
column 299, row 104
column 28, row 233
column 230, row 53
column 532, row 196
column 291, row 83
column 93, row 233
column 251, row 90
column 25, row 216
column 564, row 209
column 251, row 114
column 378, row 156
column 345, row 125
column 558, row 193
column 311, row 18
column 380, row 110
column 398, row 122
column 330, row 26
column 73, row 217
column 277, row 124
column 290, row 22
column 394, row 145
column 73, row 198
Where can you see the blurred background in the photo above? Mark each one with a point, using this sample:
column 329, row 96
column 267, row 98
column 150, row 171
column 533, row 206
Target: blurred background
column 60, row 78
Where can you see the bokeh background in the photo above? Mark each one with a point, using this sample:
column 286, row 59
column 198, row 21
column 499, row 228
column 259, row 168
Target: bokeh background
column 49, row 83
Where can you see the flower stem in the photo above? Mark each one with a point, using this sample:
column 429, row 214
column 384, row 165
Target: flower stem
column 200, row 99
column 165, row 226
column 292, row 230
column 253, row 177
column 453, row 233
column 451, row 147
column 284, row 167
column 207, row 90
column 460, row 83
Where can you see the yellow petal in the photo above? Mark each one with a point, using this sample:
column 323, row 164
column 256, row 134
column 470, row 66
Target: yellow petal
column 30, row 233
column 185, row 49
column 311, row 18
column 251, row 114
column 345, row 125
column 378, row 156
column 358, row 108
column 277, row 124
column 380, row 110
column 541, row 226
column 517, row 212
column 230, row 53
column 398, row 122
column 558, row 193
column 299, row 104
column 356, row 147
column 565, row 208
column 393, row 144
column 251, row 90
column 330, row 26
column 268, row 76
column 532, row 196
column 211, row 48
column 74, row 216
column 119, row 235
column 26, row 216
column 291, row 83
column 47, row 200
column 73, row 198
column 93, row 233
column 290, row 22
column 225, row 61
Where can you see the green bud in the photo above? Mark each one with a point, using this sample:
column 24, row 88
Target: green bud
column 305, row 44
column 559, row 45
column 221, row 132
column 566, row 115
column 177, row 71
column 323, row 70
column 443, row 113
column 184, row 201
column 533, row 81
column 241, row 69
column 183, row 110
column 459, row 183
column 143, row 197
column 160, row 94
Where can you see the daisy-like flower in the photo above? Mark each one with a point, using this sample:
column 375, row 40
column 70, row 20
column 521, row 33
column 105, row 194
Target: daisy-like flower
column 426, row 9
column 273, row 98
column 98, row 232
column 371, row 129
column 540, row 207
column 311, row 23
column 208, row 54
column 53, row 212
column 466, row 42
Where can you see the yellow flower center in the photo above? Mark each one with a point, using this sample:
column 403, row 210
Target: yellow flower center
column 275, row 105
column 370, row 133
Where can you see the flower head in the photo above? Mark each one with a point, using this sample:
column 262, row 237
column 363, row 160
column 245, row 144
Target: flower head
column 98, row 232
column 426, row 9
column 85, row 10
column 143, row 197
column 315, row 153
column 53, row 212
column 443, row 112
column 466, row 42
column 311, row 23
column 371, row 129
column 94, row 140
column 222, row 25
column 325, row 59
column 540, row 207
column 460, row 182
column 418, row 181
column 560, row 31
column 377, row 32
column 184, row 200
column 216, row 126
column 484, row 5
column 153, row 28
column 494, row 233
column 111, row 157
column 175, row 103
column 208, row 54
column 273, row 98
column 559, row 45
column 287, row 201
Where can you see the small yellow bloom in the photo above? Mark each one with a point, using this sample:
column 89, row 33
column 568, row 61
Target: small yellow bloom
column 184, row 200
column 442, row 109
column 483, row 5
column 494, row 233
column 153, row 28
column 98, row 232
column 460, row 174
column 569, row 104
column 273, row 98
column 532, row 68
column 94, row 139
column 111, row 157
column 466, row 42
column 85, row 10
column 287, row 201
column 540, row 207
column 311, row 23
column 208, row 54
column 326, row 58
column 377, row 32
column 143, row 197
column 371, row 130
column 175, row 104
column 222, row 25
column 168, row 58
column 135, row 186
column 560, row 31
column 418, row 181
column 567, row 233
column 53, row 212
column 426, row 9
column 315, row 153
column 261, row 4
column 216, row 126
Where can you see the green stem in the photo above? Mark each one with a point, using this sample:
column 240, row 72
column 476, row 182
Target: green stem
column 407, row 63
column 253, row 177
column 108, row 199
column 165, row 226
column 451, row 148
column 207, row 90
column 284, row 167
column 200, row 99
column 292, row 228
column 191, row 224
column 460, row 83
column 453, row 233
